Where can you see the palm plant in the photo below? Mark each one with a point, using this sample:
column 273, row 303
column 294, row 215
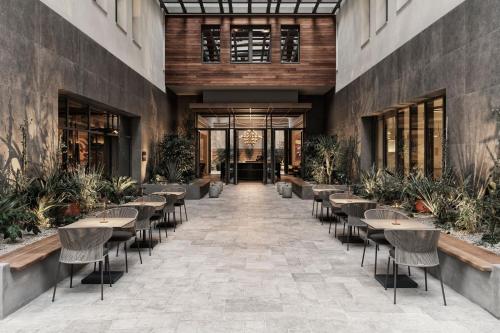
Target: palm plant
column 328, row 148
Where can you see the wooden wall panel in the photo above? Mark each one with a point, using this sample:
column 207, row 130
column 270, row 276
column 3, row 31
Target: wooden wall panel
column 185, row 71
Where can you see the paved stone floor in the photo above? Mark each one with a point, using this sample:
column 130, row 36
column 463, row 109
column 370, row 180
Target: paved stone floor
column 250, row 261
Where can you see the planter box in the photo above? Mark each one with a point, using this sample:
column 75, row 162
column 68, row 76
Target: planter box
column 197, row 189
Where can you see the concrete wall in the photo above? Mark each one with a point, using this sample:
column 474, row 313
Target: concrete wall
column 362, row 43
column 42, row 53
column 456, row 55
column 145, row 53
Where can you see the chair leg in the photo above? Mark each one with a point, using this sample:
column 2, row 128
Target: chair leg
column 117, row 248
column 330, row 227
column 109, row 270
column 55, row 282
column 175, row 221
column 425, row 277
column 375, row 268
column 159, row 232
column 395, row 280
column 321, row 215
column 335, row 233
column 180, row 212
column 126, row 258
column 150, row 241
column 312, row 213
column 387, row 273
column 442, row 286
column 185, row 211
column 138, row 249
column 409, row 272
column 348, row 236
column 71, row 275
column 364, row 251
column 102, row 279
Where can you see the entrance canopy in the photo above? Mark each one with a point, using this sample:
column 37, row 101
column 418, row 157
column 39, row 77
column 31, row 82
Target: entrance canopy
column 250, row 7
column 253, row 108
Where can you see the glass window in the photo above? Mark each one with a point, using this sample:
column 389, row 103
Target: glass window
column 435, row 132
column 251, row 44
column 210, row 39
column 417, row 146
column 136, row 21
column 403, row 140
column 290, row 43
column 78, row 115
column 380, row 144
column 121, row 14
column 390, row 143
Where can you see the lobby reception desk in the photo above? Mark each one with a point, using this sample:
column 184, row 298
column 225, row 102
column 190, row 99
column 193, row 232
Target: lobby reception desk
column 250, row 171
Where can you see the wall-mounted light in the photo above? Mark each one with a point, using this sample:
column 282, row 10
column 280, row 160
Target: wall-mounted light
column 144, row 156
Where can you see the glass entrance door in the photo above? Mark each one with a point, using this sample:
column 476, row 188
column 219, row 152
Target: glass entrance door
column 213, row 158
column 250, row 155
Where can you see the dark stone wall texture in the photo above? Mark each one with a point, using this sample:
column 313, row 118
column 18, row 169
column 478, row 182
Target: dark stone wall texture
column 458, row 54
column 40, row 54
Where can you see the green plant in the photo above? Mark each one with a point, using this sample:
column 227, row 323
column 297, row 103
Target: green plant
column 347, row 168
column 439, row 196
column 91, row 184
column 328, row 148
column 176, row 153
column 117, row 188
column 16, row 217
column 382, row 185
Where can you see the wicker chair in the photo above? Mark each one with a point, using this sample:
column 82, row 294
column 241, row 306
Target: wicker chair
column 159, row 213
column 317, row 197
column 324, row 197
column 122, row 235
column 83, row 246
column 377, row 236
column 152, row 188
column 171, row 199
column 337, row 211
column 143, row 223
column 414, row 248
column 355, row 212
column 181, row 201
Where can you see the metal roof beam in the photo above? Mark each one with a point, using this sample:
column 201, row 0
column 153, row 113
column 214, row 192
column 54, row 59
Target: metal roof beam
column 297, row 5
column 182, row 6
column 315, row 9
column 202, row 6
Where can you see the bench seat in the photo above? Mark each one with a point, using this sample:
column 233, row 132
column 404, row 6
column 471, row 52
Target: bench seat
column 30, row 254
column 479, row 258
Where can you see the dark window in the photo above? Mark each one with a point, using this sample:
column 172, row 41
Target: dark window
column 251, row 44
column 90, row 136
column 210, row 40
column 290, row 44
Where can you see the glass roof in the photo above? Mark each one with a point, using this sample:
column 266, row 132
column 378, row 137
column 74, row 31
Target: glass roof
column 250, row 7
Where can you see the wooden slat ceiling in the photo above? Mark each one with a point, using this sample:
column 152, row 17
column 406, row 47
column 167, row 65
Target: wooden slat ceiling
column 255, row 108
column 250, row 7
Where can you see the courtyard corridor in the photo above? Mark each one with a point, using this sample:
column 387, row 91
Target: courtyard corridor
column 249, row 261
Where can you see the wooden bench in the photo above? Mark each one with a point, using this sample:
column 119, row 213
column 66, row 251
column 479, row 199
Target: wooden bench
column 30, row 254
column 476, row 257
column 300, row 187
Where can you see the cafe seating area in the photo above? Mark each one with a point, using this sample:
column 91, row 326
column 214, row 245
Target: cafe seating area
column 251, row 258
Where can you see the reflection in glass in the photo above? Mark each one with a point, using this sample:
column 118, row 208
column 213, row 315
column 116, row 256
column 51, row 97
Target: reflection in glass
column 218, row 153
column 251, row 44
column 417, row 148
column 210, row 38
column 390, row 128
column 403, row 140
column 203, row 143
column 436, row 134
column 380, row 144
column 290, row 43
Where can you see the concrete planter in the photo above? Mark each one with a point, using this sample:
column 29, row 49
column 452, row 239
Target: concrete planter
column 214, row 191
column 286, row 191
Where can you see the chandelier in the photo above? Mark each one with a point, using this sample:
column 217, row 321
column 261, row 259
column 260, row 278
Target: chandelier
column 250, row 137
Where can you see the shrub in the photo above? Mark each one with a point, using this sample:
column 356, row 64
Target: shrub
column 16, row 217
column 382, row 185
column 176, row 158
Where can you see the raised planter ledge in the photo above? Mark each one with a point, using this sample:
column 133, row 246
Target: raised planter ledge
column 471, row 271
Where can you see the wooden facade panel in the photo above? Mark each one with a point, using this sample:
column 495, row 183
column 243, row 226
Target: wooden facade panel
column 184, row 69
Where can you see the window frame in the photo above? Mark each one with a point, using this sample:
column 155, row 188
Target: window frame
column 298, row 48
column 250, row 27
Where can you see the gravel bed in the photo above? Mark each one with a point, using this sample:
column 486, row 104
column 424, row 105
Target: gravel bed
column 7, row 246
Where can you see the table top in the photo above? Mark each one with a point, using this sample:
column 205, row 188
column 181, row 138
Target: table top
column 155, row 204
column 404, row 224
column 340, row 201
column 97, row 222
column 163, row 193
